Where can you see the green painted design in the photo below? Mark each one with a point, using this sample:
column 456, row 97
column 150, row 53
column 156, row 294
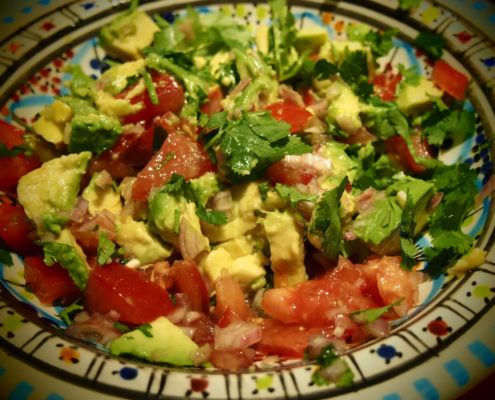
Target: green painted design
column 227, row 10
column 27, row 295
column 12, row 323
column 240, row 10
column 264, row 382
column 482, row 291
column 261, row 12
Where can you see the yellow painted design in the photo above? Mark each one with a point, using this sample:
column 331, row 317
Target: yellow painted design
column 240, row 10
column 482, row 291
column 227, row 10
column 27, row 295
column 430, row 14
column 261, row 12
column 69, row 356
column 12, row 323
column 264, row 382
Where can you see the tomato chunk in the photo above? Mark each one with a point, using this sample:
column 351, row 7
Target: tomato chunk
column 450, row 80
column 230, row 299
column 170, row 98
column 385, row 83
column 289, row 174
column 17, row 231
column 213, row 105
column 188, row 280
column 189, row 160
column 397, row 149
column 292, row 113
column 50, row 283
column 116, row 287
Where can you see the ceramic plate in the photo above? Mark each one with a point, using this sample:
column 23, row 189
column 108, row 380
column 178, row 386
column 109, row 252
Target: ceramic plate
column 445, row 346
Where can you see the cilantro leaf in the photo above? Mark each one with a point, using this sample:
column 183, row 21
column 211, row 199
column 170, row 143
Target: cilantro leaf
column 438, row 124
column 121, row 327
column 6, row 258
column 406, row 236
column 294, row 196
column 410, row 76
column 384, row 119
column 145, row 330
column 354, row 70
column 213, row 217
column 326, row 221
column 370, row 315
column 107, row 251
column 431, row 43
column 380, row 43
column 327, row 358
column 68, row 312
column 13, row 152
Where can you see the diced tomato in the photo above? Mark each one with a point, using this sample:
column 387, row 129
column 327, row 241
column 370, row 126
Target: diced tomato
column 213, row 105
column 203, row 329
column 49, row 283
column 232, row 361
column 188, row 280
column 450, row 80
column 288, row 174
column 311, row 303
column 170, row 98
column 292, row 113
column 13, row 168
column 122, row 289
column 230, row 298
column 288, row 340
column 189, row 160
column 386, row 83
column 17, row 231
column 308, row 98
column 397, row 149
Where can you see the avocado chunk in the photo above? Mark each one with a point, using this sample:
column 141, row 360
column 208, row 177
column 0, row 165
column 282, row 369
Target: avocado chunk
column 343, row 108
column 163, row 342
column 52, row 121
column 101, row 198
column 311, row 38
column 413, row 99
column 115, row 79
column 53, row 187
column 127, row 34
column 286, row 239
column 139, row 242
column 341, row 162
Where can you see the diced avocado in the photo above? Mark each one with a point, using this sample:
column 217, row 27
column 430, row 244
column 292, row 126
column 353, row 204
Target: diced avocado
column 415, row 99
column 164, row 342
column 286, row 241
column 164, row 219
column 238, row 256
column 77, row 264
column 114, row 107
column 115, row 79
column 217, row 60
column 335, row 51
column 138, row 242
column 101, row 198
column 127, row 34
column 205, row 187
column 343, row 108
column 53, row 187
column 190, row 218
column 341, row 162
column 246, row 199
column 52, row 121
column 469, row 261
column 261, row 39
column 311, row 38
column 93, row 132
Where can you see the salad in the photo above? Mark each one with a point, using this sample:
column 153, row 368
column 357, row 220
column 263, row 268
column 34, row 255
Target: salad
column 224, row 195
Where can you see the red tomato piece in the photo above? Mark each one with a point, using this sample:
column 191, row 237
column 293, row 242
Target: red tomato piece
column 213, row 105
column 170, row 98
column 230, row 298
column 189, row 160
column 13, row 168
column 399, row 152
column 188, row 280
column 17, row 231
column 386, row 83
column 122, row 289
column 450, row 80
column 49, row 283
column 292, row 113
column 288, row 174
column 289, row 340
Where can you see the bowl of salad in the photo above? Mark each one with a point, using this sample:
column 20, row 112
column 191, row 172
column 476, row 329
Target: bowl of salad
column 248, row 201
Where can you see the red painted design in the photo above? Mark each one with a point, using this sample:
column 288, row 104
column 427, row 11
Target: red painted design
column 34, row 80
column 44, row 88
column 58, row 62
column 464, row 36
column 45, row 72
column 57, row 92
column 47, row 26
column 24, row 89
column 14, row 47
column 69, row 54
column 15, row 98
column 438, row 327
column 56, row 80
column 198, row 384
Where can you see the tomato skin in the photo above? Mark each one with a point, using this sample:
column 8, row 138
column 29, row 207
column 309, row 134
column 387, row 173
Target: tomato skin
column 17, row 231
column 188, row 280
column 292, row 113
column 189, row 160
column 119, row 288
column 385, row 83
column 49, row 283
column 449, row 79
column 13, row 168
column 230, row 299
column 213, row 105
column 288, row 174
column 170, row 98
column 397, row 149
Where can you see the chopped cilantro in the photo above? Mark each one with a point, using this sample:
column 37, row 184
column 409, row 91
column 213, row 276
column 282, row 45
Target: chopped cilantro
column 431, row 43
column 13, row 152
column 294, row 196
column 121, row 327
column 145, row 330
column 149, row 86
column 410, row 76
column 107, row 251
column 67, row 314
column 168, row 157
column 407, row 227
column 263, row 189
column 327, row 358
column 372, row 314
column 176, row 221
column 213, row 217
column 6, row 258
column 380, row 43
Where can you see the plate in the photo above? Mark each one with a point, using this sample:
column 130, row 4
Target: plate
column 445, row 346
